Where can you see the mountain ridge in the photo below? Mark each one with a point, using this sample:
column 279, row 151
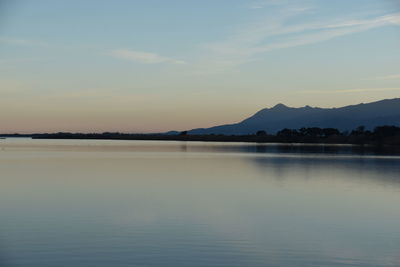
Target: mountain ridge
column 271, row 120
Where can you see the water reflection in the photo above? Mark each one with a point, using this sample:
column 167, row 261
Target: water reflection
column 383, row 169
column 182, row 146
column 117, row 203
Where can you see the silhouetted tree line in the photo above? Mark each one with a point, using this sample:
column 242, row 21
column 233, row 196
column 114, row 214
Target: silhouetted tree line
column 382, row 135
column 311, row 132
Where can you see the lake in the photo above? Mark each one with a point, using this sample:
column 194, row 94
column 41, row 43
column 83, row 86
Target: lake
column 152, row 203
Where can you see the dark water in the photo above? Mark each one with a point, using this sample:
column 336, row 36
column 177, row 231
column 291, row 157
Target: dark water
column 138, row 203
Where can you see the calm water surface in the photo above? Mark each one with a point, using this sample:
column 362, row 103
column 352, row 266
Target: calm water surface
column 138, row 203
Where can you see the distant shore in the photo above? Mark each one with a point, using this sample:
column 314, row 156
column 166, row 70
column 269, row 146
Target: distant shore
column 381, row 136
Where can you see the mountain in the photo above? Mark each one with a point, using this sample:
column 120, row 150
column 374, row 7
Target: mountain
column 271, row 120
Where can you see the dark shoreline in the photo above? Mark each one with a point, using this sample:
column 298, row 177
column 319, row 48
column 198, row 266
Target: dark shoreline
column 336, row 140
column 336, row 144
column 382, row 136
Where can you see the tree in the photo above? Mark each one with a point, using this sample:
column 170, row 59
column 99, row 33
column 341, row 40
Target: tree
column 261, row 133
column 385, row 131
column 312, row 131
column 287, row 133
column 330, row 131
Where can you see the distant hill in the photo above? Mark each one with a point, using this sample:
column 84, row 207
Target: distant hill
column 271, row 120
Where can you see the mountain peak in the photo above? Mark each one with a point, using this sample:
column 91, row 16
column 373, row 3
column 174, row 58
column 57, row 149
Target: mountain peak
column 279, row 106
column 274, row 119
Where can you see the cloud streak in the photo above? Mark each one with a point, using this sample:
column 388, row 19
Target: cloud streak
column 143, row 57
column 356, row 90
column 21, row 42
column 386, row 77
column 263, row 3
column 276, row 32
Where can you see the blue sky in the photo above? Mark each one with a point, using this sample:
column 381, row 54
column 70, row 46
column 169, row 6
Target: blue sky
column 161, row 65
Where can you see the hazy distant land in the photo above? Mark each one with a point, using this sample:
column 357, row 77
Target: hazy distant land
column 375, row 123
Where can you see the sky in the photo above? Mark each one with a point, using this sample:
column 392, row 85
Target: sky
column 155, row 65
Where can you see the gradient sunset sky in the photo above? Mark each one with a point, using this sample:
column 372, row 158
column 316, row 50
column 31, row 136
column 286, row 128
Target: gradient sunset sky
column 156, row 65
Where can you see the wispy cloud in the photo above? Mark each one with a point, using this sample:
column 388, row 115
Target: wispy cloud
column 258, row 4
column 24, row 60
column 144, row 57
column 327, row 32
column 356, row 90
column 386, row 77
column 13, row 63
column 277, row 32
column 21, row 42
